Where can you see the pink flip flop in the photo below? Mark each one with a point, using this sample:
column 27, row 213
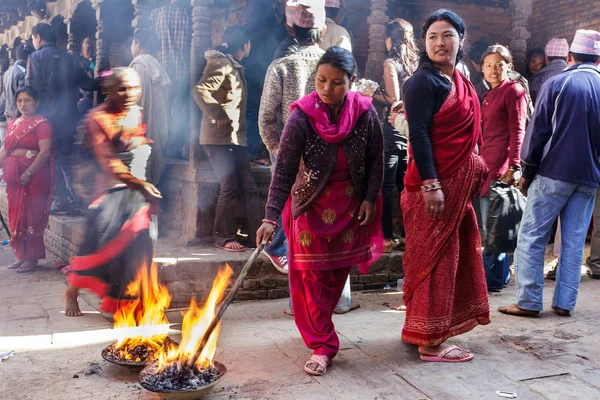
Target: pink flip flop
column 442, row 356
column 230, row 249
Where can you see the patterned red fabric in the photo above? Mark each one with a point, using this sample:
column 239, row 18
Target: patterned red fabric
column 454, row 133
column 328, row 236
column 28, row 206
column 444, row 288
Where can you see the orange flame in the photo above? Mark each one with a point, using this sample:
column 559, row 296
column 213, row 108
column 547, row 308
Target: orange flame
column 195, row 323
column 147, row 311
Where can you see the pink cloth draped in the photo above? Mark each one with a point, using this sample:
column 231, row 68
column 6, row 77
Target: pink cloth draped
column 354, row 107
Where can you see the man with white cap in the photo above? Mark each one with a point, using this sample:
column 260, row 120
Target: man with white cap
column 561, row 174
column 557, row 50
column 335, row 35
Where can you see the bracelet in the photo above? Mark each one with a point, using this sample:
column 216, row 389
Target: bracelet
column 269, row 221
column 431, row 187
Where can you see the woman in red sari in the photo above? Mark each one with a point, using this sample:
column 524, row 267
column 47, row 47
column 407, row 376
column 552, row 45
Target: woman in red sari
column 28, row 172
column 444, row 286
column 121, row 229
column 325, row 185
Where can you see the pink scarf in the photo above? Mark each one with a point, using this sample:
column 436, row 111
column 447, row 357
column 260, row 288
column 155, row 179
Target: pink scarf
column 354, row 107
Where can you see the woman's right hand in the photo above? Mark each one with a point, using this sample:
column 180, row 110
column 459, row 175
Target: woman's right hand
column 265, row 233
column 150, row 191
column 392, row 118
column 434, row 201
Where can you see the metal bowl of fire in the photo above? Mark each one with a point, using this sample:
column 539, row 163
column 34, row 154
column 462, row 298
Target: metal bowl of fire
column 136, row 353
column 186, row 384
column 140, row 323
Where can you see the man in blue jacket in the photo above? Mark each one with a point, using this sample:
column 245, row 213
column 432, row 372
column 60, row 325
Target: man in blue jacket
column 561, row 172
column 57, row 77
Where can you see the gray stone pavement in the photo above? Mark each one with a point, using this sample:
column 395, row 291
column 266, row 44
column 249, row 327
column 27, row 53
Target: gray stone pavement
column 542, row 358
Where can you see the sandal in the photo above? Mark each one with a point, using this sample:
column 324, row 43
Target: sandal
column 16, row 265
column 442, row 356
column 28, row 266
column 226, row 247
column 321, row 361
column 63, row 268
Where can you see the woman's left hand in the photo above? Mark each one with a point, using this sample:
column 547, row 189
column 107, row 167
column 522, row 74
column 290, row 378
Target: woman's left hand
column 24, row 179
column 366, row 214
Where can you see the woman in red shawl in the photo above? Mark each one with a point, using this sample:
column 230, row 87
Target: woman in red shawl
column 326, row 184
column 444, row 285
column 28, row 175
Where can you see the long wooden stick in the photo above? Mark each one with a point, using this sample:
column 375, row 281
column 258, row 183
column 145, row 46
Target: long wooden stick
column 236, row 286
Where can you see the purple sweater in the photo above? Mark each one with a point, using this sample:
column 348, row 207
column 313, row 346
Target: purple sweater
column 305, row 163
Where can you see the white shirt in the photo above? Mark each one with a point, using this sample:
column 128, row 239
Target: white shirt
column 335, row 36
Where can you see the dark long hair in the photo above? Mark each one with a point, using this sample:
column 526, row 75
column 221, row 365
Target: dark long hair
column 502, row 51
column 453, row 19
column 234, row 39
column 339, row 58
column 404, row 47
column 29, row 91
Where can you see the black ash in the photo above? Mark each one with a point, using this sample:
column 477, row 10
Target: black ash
column 175, row 378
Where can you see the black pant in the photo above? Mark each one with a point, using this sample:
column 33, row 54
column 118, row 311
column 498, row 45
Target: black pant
column 232, row 167
column 393, row 177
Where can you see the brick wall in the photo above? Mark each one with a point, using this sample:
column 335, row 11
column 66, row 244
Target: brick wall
column 490, row 23
column 562, row 19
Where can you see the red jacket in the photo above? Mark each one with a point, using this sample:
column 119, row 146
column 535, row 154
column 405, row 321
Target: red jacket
column 504, row 116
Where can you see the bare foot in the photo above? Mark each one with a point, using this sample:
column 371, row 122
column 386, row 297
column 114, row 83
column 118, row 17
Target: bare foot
column 71, row 304
column 437, row 351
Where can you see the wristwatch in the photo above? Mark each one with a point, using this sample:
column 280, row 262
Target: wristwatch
column 29, row 174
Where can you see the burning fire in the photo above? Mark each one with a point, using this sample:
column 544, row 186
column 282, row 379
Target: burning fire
column 145, row 313
column 195, row 323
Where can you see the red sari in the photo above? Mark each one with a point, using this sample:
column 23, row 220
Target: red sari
column 28, row 206
column 444, row 285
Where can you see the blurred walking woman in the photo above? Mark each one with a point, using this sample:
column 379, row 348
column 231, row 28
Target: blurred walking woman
column 444, row 285
column 221, row 93
column 121, row 230
column 504, row 115
column 402, row 61
column 325, row 186
column 28, row 173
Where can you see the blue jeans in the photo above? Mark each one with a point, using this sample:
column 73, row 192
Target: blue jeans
column 547, row 199
column 278, row 246
column 497, row 265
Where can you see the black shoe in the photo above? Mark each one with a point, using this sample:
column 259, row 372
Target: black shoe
column 551, row 275
column 591, row 274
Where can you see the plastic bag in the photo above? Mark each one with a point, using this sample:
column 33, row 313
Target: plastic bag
column 504, row 218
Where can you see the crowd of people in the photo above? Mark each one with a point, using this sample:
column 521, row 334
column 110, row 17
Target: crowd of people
column 443, row 126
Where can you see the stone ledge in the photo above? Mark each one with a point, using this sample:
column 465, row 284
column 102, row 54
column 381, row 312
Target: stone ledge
column 190, row 270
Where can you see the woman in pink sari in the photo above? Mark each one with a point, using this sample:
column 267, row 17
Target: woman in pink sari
column 28, row 173
column 444, row 285
column 326, row 186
